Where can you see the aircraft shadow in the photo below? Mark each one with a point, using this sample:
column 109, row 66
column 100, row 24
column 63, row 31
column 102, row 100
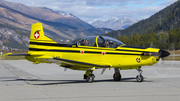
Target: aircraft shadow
column 56, row 82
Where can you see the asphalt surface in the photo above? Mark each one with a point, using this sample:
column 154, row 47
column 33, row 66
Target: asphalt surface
column 21, row 80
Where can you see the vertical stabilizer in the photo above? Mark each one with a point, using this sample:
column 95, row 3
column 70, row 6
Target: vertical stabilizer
column 38, row 41
column 37, row 33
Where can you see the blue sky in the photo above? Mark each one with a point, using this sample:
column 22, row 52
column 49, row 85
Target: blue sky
column 91, row 10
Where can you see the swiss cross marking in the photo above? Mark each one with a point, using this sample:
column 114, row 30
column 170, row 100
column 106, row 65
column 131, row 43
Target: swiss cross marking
column 103, row 53
column 36, row 35
column 82, row 52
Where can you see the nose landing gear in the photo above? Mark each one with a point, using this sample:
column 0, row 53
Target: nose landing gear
column 139, row 77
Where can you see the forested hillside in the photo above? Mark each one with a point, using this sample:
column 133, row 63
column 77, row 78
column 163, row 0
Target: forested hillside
column 160, row 30
column 165, row 19
column 164, row 40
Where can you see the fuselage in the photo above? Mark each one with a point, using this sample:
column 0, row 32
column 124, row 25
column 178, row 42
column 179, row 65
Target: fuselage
column 80, row 56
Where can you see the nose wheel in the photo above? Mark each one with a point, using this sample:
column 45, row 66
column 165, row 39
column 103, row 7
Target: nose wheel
column 139, row 77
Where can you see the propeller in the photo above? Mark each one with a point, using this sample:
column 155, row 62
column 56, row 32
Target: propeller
column 162, row 37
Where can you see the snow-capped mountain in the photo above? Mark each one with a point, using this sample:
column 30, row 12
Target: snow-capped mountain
column 114, row 23
column 64, row 14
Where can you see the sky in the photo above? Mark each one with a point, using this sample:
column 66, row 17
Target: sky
column 92, row 10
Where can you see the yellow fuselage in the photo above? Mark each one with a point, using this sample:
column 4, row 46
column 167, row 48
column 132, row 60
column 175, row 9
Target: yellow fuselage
column 83, row 57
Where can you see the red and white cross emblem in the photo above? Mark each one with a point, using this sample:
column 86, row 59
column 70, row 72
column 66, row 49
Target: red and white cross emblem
column 36, row 35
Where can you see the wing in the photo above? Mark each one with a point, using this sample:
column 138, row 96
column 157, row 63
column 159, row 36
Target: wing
column 79, row 65
column 71, row 64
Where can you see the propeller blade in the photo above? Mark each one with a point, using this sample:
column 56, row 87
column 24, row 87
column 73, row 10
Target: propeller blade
column 103, row 70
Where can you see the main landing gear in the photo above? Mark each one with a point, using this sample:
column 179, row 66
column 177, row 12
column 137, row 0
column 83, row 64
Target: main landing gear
column 89, row 76
column 117, row 75
column 139, row 77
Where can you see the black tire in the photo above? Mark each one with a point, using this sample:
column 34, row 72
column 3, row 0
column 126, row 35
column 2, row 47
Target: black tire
column 85, row 76
column 90, row 78
column 117, row 76
column 139, row 78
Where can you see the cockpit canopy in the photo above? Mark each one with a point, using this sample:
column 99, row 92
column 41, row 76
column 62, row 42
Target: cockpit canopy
column 100, row 41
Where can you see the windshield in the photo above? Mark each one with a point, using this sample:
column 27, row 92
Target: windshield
column 108, row 42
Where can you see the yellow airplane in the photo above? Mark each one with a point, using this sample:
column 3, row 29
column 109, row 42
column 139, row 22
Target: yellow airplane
column 90, row 53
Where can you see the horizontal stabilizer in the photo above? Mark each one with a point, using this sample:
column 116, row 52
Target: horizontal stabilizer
column 24, row 54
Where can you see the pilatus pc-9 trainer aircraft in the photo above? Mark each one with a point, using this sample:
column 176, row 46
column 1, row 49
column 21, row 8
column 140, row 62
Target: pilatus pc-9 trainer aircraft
column 90, row 53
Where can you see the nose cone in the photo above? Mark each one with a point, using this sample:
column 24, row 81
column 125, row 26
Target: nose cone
column 163, row 53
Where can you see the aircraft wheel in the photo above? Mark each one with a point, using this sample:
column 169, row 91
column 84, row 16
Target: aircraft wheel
column 117, row 76
column 90, row 78
column 139, row 78
column 85, row 76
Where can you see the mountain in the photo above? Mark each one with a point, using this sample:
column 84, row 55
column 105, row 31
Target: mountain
column 9, row 39
column 114, row 23
column 47, row 14
column 64, row 14
column 166, row 19
column 15, row 27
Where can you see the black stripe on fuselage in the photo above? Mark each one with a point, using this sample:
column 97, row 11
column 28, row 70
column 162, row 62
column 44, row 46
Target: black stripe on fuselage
column 55, row 50
column 51, row 50
column 137, row 47
column 65, row 45
column 74, row 51
column 134, row 50
column 49, row 44
column 102, row 66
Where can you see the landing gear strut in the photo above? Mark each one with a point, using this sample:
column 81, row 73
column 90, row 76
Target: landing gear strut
column 90, row 77
column 117, row 75
column 139, row 77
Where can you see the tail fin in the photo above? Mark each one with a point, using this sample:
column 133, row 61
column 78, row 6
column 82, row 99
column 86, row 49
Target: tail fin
column 38, row 43
column 37, row 38
column 37, row 33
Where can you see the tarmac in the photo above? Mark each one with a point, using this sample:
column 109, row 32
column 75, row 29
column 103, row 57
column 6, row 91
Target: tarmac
column 20, row 80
